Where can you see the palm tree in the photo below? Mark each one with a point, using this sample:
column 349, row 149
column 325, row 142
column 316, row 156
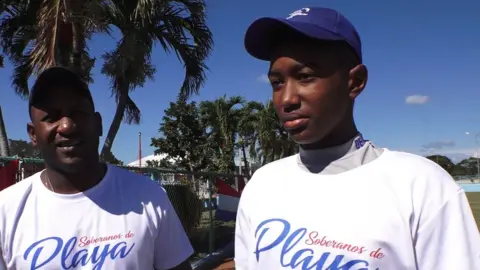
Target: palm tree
column 273, row 141
column 36, row 35
column 129, row 65
column 221, row 117
column 247, row 132
column 4, row 147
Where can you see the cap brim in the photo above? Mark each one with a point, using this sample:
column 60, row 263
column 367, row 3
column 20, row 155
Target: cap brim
column 263, row 34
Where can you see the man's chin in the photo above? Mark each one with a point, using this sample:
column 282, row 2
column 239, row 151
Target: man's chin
column 71, row 165
column 300, row 136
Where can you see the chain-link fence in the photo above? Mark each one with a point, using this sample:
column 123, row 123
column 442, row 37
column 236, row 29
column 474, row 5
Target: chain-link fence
column 193, row 195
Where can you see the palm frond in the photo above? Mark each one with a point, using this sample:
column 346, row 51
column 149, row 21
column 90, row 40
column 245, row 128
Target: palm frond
column 181, row 27
column 22, row 71
column 132, row 113
column 17, row 28
column 44, row 52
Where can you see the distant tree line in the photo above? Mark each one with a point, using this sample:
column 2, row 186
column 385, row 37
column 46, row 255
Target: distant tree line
column 467, row 166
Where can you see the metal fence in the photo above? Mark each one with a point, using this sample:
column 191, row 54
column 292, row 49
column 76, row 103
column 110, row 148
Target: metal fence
column 193, row 194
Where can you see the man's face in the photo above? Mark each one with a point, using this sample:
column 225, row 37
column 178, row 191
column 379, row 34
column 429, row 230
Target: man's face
column 312, row 88
column 66, row 129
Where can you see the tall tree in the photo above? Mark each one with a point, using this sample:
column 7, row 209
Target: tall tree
column 222, row 117
column 36, row 35
column 273, row 140
column 174, row 25
column 247, row 132
column 183, row 138
column 4, row 147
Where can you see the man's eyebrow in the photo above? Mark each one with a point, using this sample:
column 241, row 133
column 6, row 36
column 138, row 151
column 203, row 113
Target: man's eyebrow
column 292, row 70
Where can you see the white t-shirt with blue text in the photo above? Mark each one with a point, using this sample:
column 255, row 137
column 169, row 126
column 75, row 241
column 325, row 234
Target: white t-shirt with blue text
column 124, row 222
column 397, row 212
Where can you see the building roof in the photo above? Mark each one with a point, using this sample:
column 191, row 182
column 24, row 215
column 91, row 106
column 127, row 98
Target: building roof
column 144, row 160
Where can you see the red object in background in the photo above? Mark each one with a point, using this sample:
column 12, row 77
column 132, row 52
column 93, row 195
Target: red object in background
column 8, row 173
column 224, row 189
column 241, row 184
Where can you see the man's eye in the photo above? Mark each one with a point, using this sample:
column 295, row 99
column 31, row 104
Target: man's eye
column 305, row 76
column 48, row 119
column 275, row 83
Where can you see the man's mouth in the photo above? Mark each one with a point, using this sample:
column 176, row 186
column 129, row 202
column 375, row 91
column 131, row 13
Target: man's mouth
column 68, row 144
column 295, row 123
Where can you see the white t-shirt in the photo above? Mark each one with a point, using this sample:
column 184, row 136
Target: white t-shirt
column 398, row 212
column 124, row 222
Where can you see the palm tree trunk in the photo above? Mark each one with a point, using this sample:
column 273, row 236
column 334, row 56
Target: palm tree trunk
column 4, row 147
column 77, row 48
column 77, row 36
column 245, row 161
column 115, row 125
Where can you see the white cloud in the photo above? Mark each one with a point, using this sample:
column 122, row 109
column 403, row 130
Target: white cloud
column 417, row 99
column 263, row 78
column 438, row 145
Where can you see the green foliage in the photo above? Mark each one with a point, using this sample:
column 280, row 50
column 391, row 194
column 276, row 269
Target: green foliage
column 111, row 159
column 23, row 149
column 221, row 118
column 443, row 161
column 207, row 136
column 467, row 166
column 183, row 137
column 187, row 205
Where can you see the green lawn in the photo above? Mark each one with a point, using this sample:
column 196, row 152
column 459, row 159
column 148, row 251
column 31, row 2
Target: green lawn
column 474, row 199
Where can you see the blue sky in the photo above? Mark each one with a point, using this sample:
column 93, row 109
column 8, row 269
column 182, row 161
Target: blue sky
column 420, row 53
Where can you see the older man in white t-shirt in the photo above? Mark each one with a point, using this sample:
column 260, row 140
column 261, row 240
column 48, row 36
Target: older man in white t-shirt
column 79, row 213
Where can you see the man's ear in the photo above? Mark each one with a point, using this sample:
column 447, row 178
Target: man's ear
column 31, row 134
column 358, row 80
column 98, row 124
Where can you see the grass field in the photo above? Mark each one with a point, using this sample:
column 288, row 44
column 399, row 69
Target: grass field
column 474, row 199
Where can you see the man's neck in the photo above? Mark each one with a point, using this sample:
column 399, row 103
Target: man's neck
column 71, row 183
column 337, row 137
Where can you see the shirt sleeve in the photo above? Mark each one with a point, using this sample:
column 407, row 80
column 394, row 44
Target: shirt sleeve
column 449, row 239
column 243, row 235
column 2, row 261
column 172, row 246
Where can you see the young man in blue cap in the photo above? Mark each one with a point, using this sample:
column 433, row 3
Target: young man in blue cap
column 79, row 213
column 341, row 203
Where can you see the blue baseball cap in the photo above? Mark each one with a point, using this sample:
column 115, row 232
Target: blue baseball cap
column 315, row 22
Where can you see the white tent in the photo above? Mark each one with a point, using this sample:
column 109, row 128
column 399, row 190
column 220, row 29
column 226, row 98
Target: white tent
column 143, row 161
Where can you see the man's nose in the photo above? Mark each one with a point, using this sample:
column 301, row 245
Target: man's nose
column 66, row 126
column 290, row 97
